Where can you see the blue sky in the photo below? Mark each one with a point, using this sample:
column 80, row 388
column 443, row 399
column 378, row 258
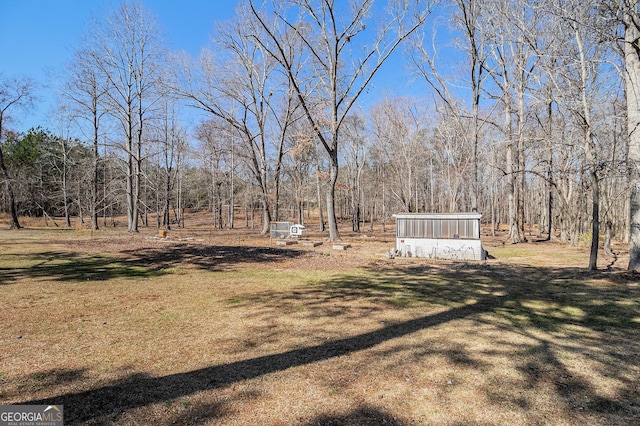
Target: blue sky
column 37, row 38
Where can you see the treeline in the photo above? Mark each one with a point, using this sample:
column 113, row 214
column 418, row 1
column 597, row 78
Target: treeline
column 527, row 119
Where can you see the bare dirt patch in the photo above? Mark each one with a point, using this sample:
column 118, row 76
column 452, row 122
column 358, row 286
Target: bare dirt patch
column 225, row 327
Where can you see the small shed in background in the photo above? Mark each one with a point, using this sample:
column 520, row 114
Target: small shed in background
column 282, row 230
column 439, row 235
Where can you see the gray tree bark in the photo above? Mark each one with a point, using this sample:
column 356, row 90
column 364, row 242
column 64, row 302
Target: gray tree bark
column 632, row 77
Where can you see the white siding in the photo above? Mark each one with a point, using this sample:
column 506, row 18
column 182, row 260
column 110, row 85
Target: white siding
column 440, row 248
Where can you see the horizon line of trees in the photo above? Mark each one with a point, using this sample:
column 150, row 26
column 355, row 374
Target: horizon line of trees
column 533, row 123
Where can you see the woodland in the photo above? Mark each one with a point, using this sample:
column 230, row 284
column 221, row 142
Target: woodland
column 531, row 119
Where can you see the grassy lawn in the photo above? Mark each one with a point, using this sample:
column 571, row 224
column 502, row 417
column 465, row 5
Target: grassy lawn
column 127, row 330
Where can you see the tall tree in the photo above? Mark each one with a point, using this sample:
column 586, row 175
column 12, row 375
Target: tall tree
column 298, row 164
column 511, row 34
column 355, row 157
column 581, row 73
column 16, row 93
column 239, row 85
column 87, row 89
column 400, row 145
column 467, row 17
column 631, row 20
column 61, row 158
column 343, row 51
column 172, row 141
column 127, row 49
column 217, row 155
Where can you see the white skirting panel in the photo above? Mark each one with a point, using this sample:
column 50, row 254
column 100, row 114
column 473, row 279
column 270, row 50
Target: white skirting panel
column 441, row 248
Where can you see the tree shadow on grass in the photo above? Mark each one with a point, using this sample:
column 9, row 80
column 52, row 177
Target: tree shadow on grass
column 362, row 416
column 208, row 257
column 140, row 389
column 139, row 263
column 201, row 414
column 523, row 300
column 71, row 266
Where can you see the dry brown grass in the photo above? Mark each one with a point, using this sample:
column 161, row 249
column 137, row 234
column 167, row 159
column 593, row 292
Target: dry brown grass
column 215, row 327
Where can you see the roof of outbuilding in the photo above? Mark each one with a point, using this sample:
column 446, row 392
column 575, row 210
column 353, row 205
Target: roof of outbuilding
column 459, row 215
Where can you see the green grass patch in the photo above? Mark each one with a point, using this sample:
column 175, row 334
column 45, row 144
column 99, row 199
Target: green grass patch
column 507, row 251
column 400, row 302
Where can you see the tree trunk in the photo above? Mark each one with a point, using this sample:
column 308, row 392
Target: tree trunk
column 608, row 234
column 276, row 194
column 632, row 62
column 520, row 192
column 232, row 186
column 94, row 182
column 331, row 197
column 384, row 202
column 301, row 211
column 318, row 192
column 166, row 220
column 219, row 204
column 132, row 210
column 266, row 216
column 14, row 224
column 595, row 218
column 355, row 206
column 514, row 229
column 137, row 187
column 13, row 212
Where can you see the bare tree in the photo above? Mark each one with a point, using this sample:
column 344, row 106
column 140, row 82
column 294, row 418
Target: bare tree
column 467, row 19
column 127, row 51
column 298, row 164
column 631, row 20
column 511, row 33
column 470, row 12
column 582, row 73
column 577, row 69
column 62, row 160
column 338, row 66
column 240, row 87
column 399, row 129
column 216, row 157
column 16, row 93
column 87, row 89
column 171, row 141
column 355, row 157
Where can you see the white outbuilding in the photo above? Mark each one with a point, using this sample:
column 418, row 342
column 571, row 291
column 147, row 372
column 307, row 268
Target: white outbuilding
column 439, row 235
